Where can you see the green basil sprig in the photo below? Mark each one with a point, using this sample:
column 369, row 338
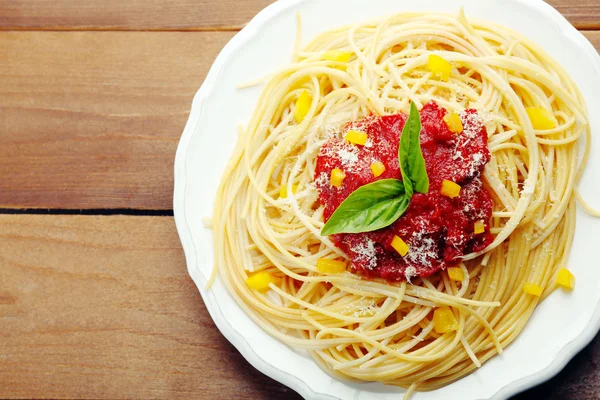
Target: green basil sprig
column 412, row 163
column 379, row 204
column 368, row 208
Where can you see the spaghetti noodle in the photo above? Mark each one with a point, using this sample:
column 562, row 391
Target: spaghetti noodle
column 268, row 217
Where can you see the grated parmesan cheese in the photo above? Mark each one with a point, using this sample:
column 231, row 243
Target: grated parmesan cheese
column 409, row 273
column 477, row 161
column 422, row 250
column 458, row 156
column 472, row 123
column 527, row 189
column 366, row 253
column 365, row 310
column 349, row 158
column 322, row 180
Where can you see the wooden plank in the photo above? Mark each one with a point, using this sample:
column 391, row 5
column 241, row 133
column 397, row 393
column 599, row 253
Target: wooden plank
column 92, row 119
column 128, row 15
column 593, row 37
column 184, row 14
column 103, row 308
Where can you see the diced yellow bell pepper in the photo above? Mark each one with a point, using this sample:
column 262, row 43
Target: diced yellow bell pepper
column 440, row 68
column 541, row 119
column 329, row 266
column 444, row 320
column 479, row 227
column 400, row 246
column 302, row 106
column 260, row 281
column 533, row 289
column 377, row 168
column 337, row 55
column 337, row 177
column 454, row 123
column 356, row 137
column 456, row 274
column 283, row 193
column 565, row 279
column 450, row 189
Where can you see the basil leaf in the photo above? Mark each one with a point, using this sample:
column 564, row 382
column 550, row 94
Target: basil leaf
column 380, row 204
column 410, row 157
column 370, row 207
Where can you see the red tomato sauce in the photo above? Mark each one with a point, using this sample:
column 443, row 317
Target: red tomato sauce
column 437, row 229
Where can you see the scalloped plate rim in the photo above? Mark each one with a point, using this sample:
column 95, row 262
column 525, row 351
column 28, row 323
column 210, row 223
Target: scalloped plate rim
column 568, row 351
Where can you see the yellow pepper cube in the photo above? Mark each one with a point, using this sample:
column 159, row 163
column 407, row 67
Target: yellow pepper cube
column 533, row 289
column 565, row 279
column 444, row 320
column 356, row 137
column 261, row 280
column 377, row 168
column 541, row 119
column 454, row 123
column 283, row 192
column 337, row 177
column 479, row 227
column 329, row 266
column 337, row 55
column 456, row 274
column 302, row 106
column 400, row 246
column 439, row 67
column 450, row 189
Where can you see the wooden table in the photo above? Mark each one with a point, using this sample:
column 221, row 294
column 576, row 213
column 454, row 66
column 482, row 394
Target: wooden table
column 95, row 300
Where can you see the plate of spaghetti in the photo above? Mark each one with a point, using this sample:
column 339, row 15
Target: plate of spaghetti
column 388, row 200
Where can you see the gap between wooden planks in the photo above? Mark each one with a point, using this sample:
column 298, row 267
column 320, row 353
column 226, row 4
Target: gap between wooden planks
column 102, row 307
column 91, row 120
column 185, row 14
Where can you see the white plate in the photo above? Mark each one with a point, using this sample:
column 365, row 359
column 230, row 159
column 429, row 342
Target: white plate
column 559, row 328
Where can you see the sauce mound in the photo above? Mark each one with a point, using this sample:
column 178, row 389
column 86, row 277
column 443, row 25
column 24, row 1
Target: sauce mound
column 437, row 229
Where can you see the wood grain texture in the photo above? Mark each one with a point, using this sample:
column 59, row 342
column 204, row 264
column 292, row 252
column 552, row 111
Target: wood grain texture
column 184, row 14
column 92, row 119
column 103, row 308
column 128, row 15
